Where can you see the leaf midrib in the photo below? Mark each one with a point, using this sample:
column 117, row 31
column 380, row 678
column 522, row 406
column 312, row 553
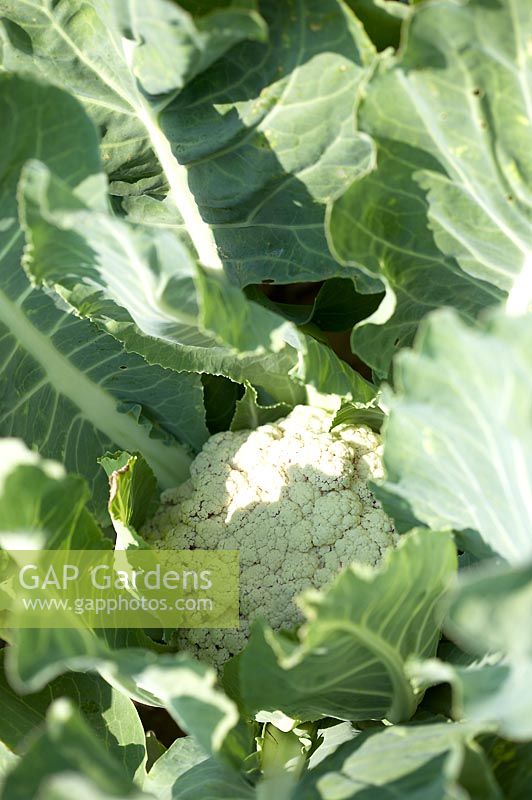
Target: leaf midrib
column 170, row 464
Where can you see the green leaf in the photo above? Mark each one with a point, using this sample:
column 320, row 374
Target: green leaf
column 329, row 739
column 368, row 623
column 322, row 371
column 175, row 315
column 172, row 314
column 489, row 617
column 380, row 224
column 40, row 506
column 338, row 306
column 353, row 414
column 442, row 98
column 261, row 160
column 68, row 785
column 7, row 761
column 111, row 716
column 36, row 657
column 187, row 689
column 250, row 414
column 65, row 387
column 512, row 766
column 216, row 781
column 172, row 46
column 278, row 141
column 184, row 687
column 154, row 749
column 436, row 761
column 446, row 218
column 66, row 745
column 458, row 441
column 133, row 496
column 220, row 396
column 181, row 756
column 80, row 47
column 382, row 20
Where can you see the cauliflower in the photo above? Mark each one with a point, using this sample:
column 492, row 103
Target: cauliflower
column 293, row 498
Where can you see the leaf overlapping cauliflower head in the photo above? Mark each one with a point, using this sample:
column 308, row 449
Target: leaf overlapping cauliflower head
column 293, row 498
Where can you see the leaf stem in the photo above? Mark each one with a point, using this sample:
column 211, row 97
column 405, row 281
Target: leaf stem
column 199, row 231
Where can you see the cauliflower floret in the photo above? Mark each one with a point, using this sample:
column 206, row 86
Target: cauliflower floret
column 292, row 497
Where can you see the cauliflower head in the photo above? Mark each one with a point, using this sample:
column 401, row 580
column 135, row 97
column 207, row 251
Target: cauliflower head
column 292, row 496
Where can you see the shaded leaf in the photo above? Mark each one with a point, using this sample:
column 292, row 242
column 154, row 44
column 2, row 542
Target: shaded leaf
column 181, row 756
column 111, row 716
column 382, row 20
column 65, row 387
column 172, row 46
column 446, row 218
column 250, row 414
column 489, row 618
column 65, row 745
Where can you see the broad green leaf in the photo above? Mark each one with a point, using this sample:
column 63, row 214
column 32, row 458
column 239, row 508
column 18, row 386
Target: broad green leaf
column 338, row 306
column 185, row 688
column 188, row 690
column 65, row 387
column 36, row 657
column 444, row 98
column 154, row 749
column 490, row 617
column 283, row 757
column 80, row 46
column 446, row 217
column 367, row 623
column 173, row 314
column 220, row 396
column 66, row 744
column 169, row 308
column 458, row 441
column 111, row 715
column 172, row 46
column 179, row 315
column 374, row 226
column 269, row 136
column 256, row 144
column 330, row 738
column 436, row 761
column 322, row 371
